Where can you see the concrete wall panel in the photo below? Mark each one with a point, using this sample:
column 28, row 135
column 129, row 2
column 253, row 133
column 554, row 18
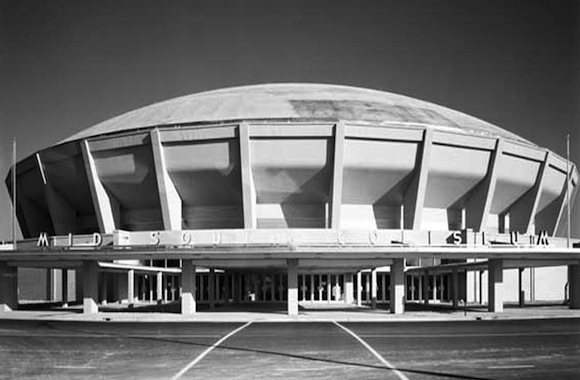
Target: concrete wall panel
column 515, row 176
column 205, row 173
column 453, row 171
column 381, row 166
column 289, row 170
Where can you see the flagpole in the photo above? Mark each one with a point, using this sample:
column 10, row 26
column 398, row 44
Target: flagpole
column 568, row 185
column 14, row 193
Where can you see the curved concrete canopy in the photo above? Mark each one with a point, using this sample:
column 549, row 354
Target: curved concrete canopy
column 297, row 101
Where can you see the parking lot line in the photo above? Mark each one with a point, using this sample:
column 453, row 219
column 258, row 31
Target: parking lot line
column 385, row 362
column 474, row 335
column 191, row 364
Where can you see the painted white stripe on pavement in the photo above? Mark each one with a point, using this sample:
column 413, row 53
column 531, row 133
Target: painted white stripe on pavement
column 207, row 351
column 565, row 333
column 105, row 335
column 375, row 353
column 511, row 366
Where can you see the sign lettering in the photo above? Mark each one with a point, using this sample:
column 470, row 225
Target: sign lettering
column 543, row 238
column 42, row 240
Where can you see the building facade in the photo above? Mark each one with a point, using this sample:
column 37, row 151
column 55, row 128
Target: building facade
column 294, row 193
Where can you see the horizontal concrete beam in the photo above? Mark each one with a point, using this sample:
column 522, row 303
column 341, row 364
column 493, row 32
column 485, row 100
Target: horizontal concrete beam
column 483, row 265
column 273, row 253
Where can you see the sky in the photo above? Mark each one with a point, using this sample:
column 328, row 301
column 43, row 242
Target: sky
column 67, row 65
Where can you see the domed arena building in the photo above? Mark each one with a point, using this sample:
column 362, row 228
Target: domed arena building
column 293, row 193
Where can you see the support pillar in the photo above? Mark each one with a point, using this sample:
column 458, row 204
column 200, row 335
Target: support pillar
column 434, row 287
column 130, row 287
column 455, row 288
column 90, row 286
column 374, row 289
column 426, row 288
column 495, row 285
column 103, row 288
column 78, row 285
column 383, row 288
column 51, row 285
column 64, row 288
column 311, row 288
column 159, row 288
column 348, row 289
column 368, row 287
column 303, row 287
column 336, row 289
column 165, row 294
column 397, row 291
column 359, row 289
column 211, row 288
column 574, row 285
column 8, row 287
column 188, row 304
column 420, row 290
column 521, row 292
column 292, row 287
column 150, row 287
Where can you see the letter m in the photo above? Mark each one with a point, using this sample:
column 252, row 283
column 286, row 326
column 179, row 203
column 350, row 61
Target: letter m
column 42, row 240
column 543, row 238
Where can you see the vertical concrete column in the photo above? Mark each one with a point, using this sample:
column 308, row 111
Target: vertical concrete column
column 188, row 305
column 374, row 288
column 8, row 287
column 142, row 288
column 328, row 288
column 495, row 285
column 131, row 287
column 426, row 287
column 367, row 287
column 397, row 291
column 78, row 284
column 211, row 288
column 420, row 290
column 348, row 289
column 165, row 282
column 150, row 287
column 103, row 288
column 64, row 287
column 311, row 288
column 159, row 288
column 50, row 284
column 481, row 287
column 434, row 287
column 455, row 287
column 521, row 292
column 292, row 287
column 359, row 289
column 383, row 288
column 336, row 289
column 574, row 285
column 90, row 286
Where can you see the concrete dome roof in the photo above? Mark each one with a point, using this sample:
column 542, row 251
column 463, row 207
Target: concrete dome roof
column 296, row 101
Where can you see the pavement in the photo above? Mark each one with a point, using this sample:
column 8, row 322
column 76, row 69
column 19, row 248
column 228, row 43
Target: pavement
column 534, row 349
column 276, row 312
